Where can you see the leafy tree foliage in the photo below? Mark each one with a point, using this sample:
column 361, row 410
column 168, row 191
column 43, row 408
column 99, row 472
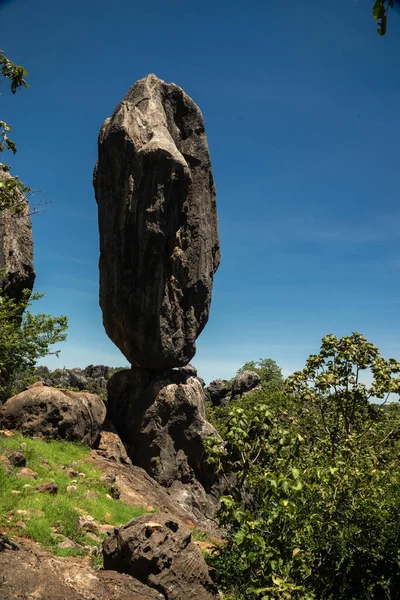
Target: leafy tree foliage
column 11, row 187
column 380, row 14
column 313, row 516
column 331, row 383
column 24, row 339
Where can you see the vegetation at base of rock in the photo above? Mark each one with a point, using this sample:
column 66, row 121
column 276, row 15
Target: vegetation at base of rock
column 51, row 519
column 315, row 509
column 24, row 337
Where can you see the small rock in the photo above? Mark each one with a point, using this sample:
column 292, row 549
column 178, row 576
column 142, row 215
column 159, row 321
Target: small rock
column 115, row 492
column 72, row 473
column 15, row 492
column 20, row 524
column 50, row 487
column 109, row 496
column 87, row 523
column 27, row 472
column 22, row 512
column 6, row 432
column 7, row 544
column 28, row 486
column 82, row 474
column 71, row 489
column 67, row 543
column 17, row 459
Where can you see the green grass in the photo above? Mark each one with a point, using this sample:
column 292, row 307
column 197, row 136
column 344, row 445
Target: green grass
column 49, row 519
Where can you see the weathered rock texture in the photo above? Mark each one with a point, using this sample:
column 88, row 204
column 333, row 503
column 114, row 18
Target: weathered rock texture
column 16, row 248
column 54, row 414
column 159, row 245
column 219, row 390
column 159, row 552
column 32, row 573
column 244, row 382
column 110, row 446
column 161, row 416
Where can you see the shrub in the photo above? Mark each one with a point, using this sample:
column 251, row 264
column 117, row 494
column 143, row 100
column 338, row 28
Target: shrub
column 314, row 516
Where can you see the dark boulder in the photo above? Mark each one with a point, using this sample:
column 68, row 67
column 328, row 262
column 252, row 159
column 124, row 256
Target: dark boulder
column 159, row 245
column 159, row 552
column 17, row 459
column 244, row 382
column 54, row 414
column 218, row 390
column 7, row 544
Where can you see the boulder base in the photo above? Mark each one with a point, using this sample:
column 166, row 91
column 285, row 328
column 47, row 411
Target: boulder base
column 162, row 418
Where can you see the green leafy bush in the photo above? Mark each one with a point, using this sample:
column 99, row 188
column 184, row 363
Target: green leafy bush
column 315, row 512
column 24, row 337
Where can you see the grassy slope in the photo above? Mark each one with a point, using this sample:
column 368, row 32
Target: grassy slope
column 50, row 519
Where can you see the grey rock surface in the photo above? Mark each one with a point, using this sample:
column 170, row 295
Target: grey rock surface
column 16, row 249
column 54, row 414
column 218, row 390
column 34, row 573
column 161, row 417
column 159, row 552
column 244, row 382
column 159, row 246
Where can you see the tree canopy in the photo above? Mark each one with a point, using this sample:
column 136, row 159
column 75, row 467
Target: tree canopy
column 24, row 339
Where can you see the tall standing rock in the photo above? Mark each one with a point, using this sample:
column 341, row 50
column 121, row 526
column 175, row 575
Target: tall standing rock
column 16, row 248
column 159, row 245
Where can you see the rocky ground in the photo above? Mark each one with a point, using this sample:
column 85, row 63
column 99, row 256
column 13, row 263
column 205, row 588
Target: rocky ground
column 29, row 571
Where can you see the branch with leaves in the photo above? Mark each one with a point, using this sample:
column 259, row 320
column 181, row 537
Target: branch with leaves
column 380, row 14
column 11, row 187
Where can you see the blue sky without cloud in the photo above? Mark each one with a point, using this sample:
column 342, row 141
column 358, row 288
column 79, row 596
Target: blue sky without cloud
column 301, row 104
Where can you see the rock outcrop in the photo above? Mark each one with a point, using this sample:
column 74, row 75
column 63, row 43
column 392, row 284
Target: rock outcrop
column 33, row 573
column 219, row 390
column 16, row 248
column 159, row 552
column 159, row 245
column 52, row 413
column 244, row 382
column 161, row 416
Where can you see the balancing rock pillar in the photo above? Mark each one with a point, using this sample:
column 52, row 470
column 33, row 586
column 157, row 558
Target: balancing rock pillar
column 159, row 246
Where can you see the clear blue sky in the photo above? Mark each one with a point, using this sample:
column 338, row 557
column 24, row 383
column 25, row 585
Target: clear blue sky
column 301, row 104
